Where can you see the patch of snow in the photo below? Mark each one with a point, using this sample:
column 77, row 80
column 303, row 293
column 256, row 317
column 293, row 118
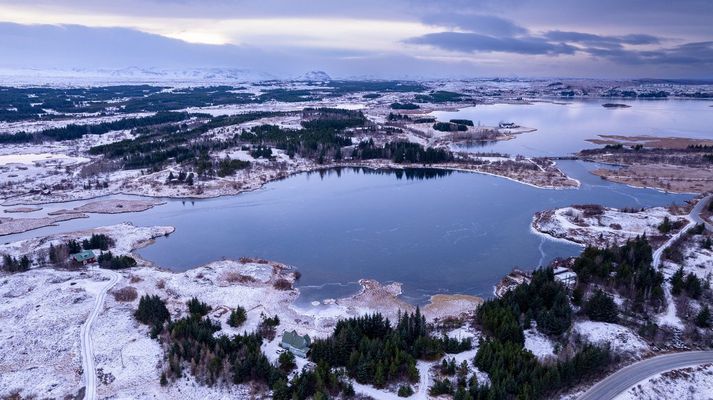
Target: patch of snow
column 539, row 344
column 621, row 340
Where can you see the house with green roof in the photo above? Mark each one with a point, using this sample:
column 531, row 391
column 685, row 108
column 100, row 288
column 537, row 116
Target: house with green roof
column 84, row 257
column 296, row 344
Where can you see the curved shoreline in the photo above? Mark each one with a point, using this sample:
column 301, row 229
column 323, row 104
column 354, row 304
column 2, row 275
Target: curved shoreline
column 212, row 194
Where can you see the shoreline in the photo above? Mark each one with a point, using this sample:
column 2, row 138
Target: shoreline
column 236, row 191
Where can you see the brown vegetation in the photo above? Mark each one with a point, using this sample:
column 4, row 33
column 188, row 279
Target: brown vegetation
column 126, row 294
column 282, row 284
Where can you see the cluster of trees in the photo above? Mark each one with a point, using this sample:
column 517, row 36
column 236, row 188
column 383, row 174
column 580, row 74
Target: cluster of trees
column 309, row 142
column 12, row 264
column 237, row 317
column 374, row 352
column 464, row 388
column 405, row 106
column 183, row 98
column 228, row 166
column 268, row 326
column 261, row 152
column 154, row 146
column 59, row 254
column 465, row 122
column 543, row 300
column 449, row 127
column 401, row 152
column 703, row 319
column 397, row 117
column 110, row 261
column 74, row 131
column 514, row 371
column 182, row 178
column 440, row 96
column 689, row 284
column 152, row 311
column 331, row 119
column 97, row 241
column 601, row 307
column 626, row 269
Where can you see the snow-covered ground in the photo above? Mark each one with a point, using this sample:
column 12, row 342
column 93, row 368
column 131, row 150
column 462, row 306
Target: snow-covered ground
column 621, row 340
column 691, row 383
column 539, row 344
column 601, row 228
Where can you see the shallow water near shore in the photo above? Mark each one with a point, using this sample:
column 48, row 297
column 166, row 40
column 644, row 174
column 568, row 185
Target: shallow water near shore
column 437, row 232
column 564, row 128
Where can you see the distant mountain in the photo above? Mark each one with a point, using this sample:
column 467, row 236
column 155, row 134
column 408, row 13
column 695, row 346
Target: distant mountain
column 73, row 76
column 314, row 76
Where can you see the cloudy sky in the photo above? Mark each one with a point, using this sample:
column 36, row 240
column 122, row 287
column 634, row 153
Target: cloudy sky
column 384, row 38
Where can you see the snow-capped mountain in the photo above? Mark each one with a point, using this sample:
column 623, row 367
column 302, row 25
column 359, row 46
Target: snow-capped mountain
column 132, row 75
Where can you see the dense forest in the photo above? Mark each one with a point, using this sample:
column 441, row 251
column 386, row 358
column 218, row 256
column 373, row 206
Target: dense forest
column 626, row 269
column 374, row 352
column 514, row 371
column 153, row 148
column 401, row 152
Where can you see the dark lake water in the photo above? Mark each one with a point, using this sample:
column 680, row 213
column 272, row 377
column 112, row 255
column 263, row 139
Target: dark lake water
column 454, row 233
column 564, row 128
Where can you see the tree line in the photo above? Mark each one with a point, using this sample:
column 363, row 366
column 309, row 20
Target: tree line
column 401, row 152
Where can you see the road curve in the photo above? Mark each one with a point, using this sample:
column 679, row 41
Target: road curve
column 625, row 378
column 696, row 212
column 87, row 349
column 668, row 317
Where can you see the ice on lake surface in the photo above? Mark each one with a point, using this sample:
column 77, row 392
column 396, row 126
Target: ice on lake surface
column 452, row 233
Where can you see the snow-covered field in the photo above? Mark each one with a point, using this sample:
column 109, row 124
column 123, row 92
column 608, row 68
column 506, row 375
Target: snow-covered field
column 608, row 227
column 539, row 344
column 621, row 340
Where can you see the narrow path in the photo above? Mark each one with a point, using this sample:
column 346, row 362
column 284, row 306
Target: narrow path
column 622, row 380
column 87, row 349
column 423, row 383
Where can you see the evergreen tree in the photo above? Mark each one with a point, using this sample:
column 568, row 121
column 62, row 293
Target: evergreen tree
column 601, row 307
column 703, row 319
column 237, row 317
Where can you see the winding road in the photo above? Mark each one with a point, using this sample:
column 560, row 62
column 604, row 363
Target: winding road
column 669, row 317
column 625, row 378
column 88, row 366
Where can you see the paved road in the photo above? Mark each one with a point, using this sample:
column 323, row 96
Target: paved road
column 627, row 377
column 669, row 317
column 696, row 212
column 87, row 349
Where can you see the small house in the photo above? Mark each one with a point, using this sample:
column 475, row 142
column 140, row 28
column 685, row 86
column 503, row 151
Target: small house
column 84, row 257
column 296, row 344
column 566, row 276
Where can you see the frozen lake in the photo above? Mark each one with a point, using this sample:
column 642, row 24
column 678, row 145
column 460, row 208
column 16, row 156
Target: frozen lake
column 443, row 232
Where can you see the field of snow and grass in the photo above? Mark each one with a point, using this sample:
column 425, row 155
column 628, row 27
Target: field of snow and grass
column 621, row 340
column 601, row 226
